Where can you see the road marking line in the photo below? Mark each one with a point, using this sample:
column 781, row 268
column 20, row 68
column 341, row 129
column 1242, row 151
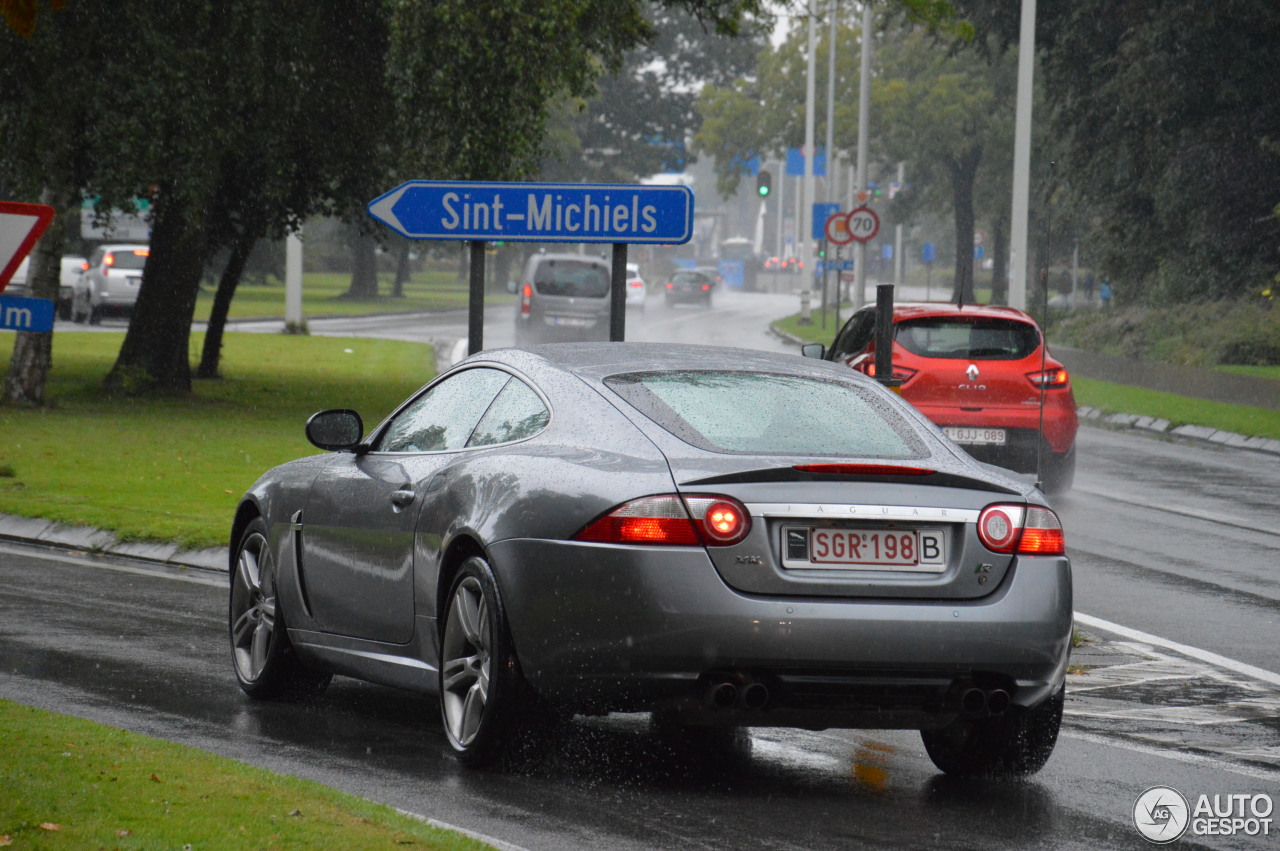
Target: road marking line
column 1211, row 658
column 1178, row 756
column 489, row 840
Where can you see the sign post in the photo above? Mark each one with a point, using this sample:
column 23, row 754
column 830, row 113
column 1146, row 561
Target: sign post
column 618, row 214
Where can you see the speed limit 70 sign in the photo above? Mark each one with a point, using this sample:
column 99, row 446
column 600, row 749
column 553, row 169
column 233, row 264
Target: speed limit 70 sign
column 864, row 224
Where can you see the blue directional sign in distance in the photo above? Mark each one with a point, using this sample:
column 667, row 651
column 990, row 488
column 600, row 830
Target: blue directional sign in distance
column 25, row 314
column 537, row 212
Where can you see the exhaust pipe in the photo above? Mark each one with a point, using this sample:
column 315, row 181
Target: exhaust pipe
column 998, row 701
column 755, row 695
column 721, row 694
column 973, row 702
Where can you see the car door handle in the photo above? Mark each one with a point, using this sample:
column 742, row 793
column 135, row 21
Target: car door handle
column 402, row 497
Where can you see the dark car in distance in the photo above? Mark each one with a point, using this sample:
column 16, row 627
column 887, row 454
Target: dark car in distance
column 689, row 286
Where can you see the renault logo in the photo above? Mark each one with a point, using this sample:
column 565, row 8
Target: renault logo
column 972, row 372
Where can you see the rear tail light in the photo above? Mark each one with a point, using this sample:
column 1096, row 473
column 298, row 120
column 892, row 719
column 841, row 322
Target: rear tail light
column 109, row 259
column 1022, row 529
column 84, row 267
column 706, row 286
column 671, row 520
column 526, row 299
column 670, row 285
column 901, row 373
column 1049, row 378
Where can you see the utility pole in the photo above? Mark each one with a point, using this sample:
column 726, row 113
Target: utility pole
column 1022, row 159
column 806, row 191
column 864, row 111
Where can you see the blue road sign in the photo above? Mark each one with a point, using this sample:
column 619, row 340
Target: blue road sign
column 537, row 212
column 822, row 212
column 795, row 163
column 733, row 273
column 25, row 314
column 928, row 252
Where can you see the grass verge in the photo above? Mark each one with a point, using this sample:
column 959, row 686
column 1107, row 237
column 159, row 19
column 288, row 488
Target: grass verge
column 324, row 294
column 70, row 783
column 174, row 469
column 1178, row 410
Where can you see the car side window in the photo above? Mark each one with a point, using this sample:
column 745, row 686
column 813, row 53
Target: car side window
column 444, row 416
column 517, row 413
column 855, row 335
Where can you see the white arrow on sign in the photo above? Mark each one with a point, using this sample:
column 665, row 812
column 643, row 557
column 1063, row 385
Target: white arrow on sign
column 864, row 224
column 20, row 227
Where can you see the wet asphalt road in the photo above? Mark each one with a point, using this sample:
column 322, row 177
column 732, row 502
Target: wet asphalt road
column 1176, row 540
column 145, row 649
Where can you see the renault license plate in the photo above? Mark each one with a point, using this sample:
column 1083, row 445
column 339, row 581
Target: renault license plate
column 976, row 436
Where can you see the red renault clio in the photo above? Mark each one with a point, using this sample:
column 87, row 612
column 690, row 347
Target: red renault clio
column 980, row 373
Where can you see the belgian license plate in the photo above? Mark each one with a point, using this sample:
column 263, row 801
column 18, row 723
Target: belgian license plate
column 983, row 436
column 135, row 280
column 572, row 321
column 919, row 550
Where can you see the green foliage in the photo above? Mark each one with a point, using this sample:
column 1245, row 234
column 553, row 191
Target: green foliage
column 1169, row 121
column 1243, row 332
column 71, row 783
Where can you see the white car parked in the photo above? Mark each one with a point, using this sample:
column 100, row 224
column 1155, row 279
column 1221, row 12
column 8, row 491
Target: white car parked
column 110, row 282
column 72, row 266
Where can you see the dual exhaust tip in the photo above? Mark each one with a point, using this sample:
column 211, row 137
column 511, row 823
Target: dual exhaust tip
column 982, row 703
column 736, row 691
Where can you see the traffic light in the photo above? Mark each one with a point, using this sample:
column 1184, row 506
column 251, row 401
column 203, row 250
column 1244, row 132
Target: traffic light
column 764, row 183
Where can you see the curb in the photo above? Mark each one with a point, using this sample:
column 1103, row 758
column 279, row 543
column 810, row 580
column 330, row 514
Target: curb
column 85, row 539
column 1163, row 428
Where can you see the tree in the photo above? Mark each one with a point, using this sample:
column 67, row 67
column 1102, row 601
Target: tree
column 1166, row 124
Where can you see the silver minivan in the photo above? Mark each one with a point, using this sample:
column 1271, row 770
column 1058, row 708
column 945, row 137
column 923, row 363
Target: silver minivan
column 563, row 297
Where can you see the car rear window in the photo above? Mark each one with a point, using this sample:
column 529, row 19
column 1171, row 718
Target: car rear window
column 967, row 337
column 769, row 414
column 571, row 278
column 127, row 258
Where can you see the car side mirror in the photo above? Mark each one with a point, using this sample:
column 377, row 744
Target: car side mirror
column 817, row 351
column 335, row 430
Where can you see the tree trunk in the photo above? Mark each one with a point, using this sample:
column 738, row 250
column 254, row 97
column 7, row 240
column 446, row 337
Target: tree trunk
column 364, row 274
column 32, row 351
column 963, row 172
column 154, row 357
column 212, row 352
column 1000, row 261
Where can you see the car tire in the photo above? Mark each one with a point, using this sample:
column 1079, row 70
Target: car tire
column 95, row 315
column 64, row 309
column 265, row 663
column 76, row 316
column 487, row 708
column 1018, row 742
column 1059, row 471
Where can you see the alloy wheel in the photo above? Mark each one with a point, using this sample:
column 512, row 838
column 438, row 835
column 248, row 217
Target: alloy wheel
column 466, row 655
column 253, row 608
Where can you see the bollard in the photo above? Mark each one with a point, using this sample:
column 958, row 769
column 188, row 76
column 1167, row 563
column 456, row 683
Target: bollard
column 805, row 318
